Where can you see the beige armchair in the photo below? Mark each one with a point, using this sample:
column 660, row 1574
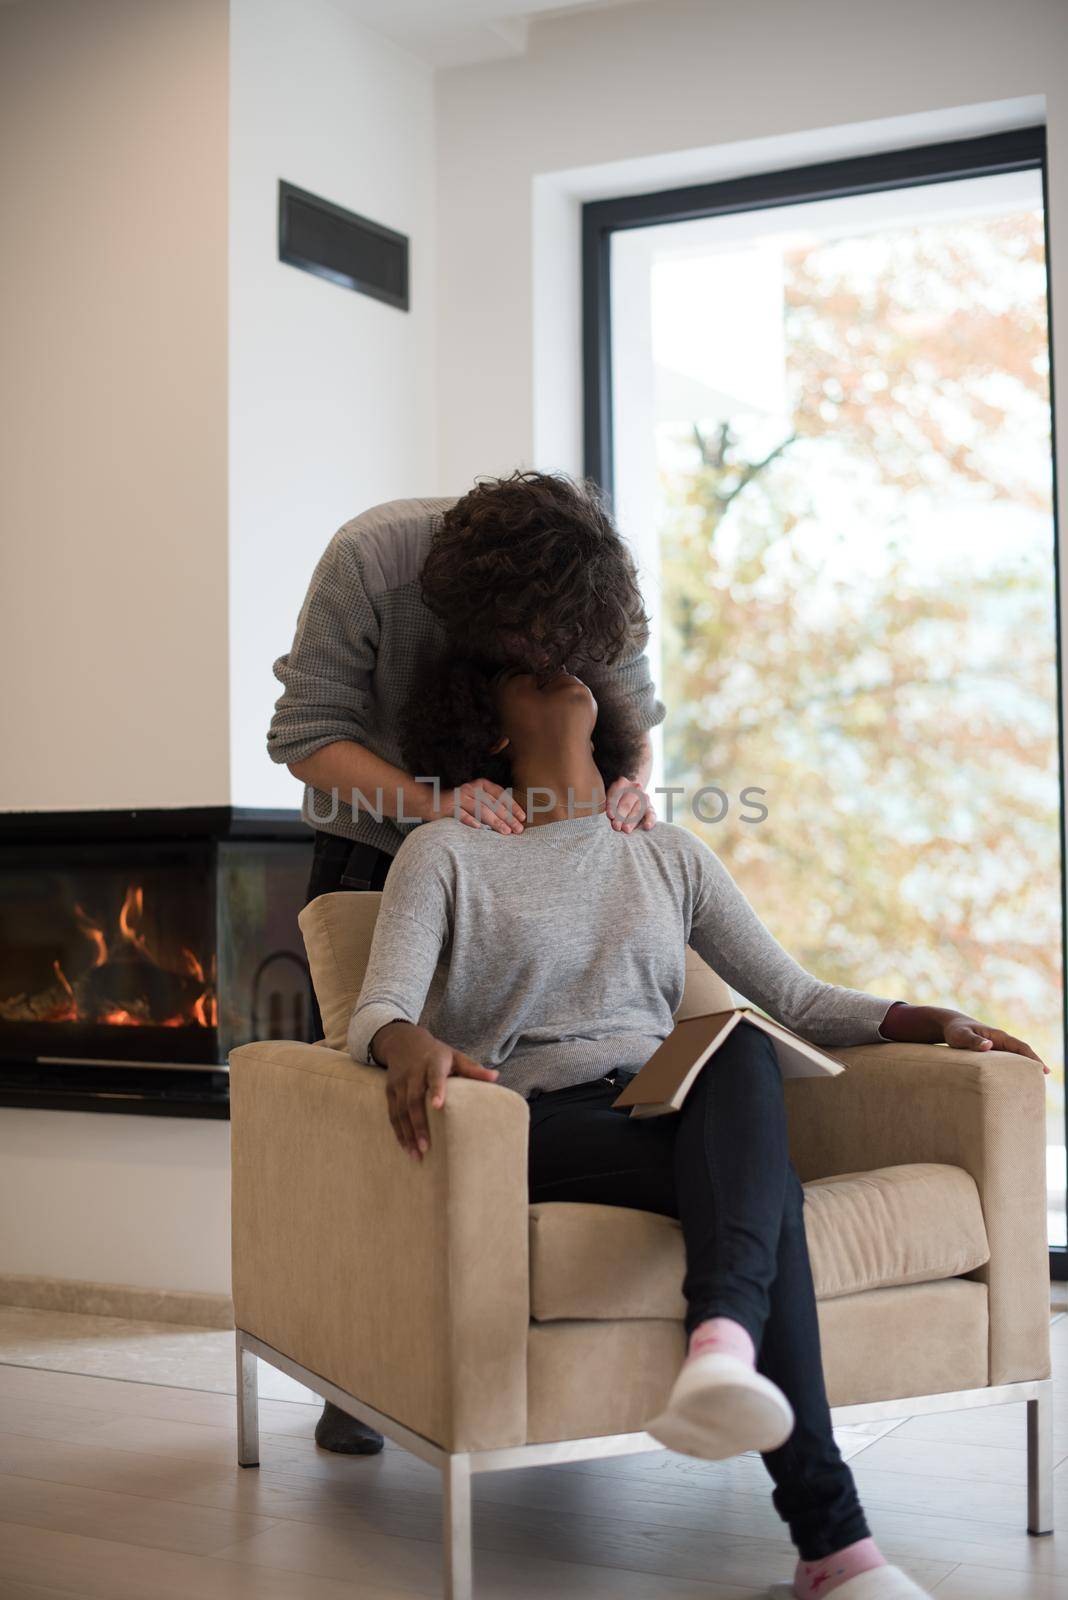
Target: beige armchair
column 432, row 1301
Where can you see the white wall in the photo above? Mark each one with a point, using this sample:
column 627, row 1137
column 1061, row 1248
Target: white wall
column 168, row 477
column 126, row 1200
column 113, row 507
column 331, row 393
column 113, row 127
column 114, row 411
column 674, row 91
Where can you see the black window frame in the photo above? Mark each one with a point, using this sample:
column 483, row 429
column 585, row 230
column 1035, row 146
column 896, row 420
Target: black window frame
column 1015, row 150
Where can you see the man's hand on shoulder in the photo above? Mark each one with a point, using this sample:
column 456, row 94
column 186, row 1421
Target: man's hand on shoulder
column 628, row 806
column 474, row 803
column 416, row 1065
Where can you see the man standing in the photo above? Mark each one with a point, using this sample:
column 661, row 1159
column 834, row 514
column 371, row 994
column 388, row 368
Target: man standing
column 527, row 570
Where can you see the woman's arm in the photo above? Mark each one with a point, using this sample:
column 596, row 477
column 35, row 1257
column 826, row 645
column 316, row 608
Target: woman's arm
column 413, row 925
column 938, row 1025
column 418, row 1064
column 728, row 934
column 412, row 928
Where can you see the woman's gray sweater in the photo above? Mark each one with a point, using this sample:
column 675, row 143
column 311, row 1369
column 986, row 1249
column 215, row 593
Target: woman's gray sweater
column 558, row 953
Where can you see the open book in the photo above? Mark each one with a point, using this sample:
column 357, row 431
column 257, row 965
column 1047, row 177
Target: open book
column 667, row 1077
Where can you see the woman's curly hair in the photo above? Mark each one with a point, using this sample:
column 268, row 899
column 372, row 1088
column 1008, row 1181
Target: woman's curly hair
column 449, row 725
column 537, row 556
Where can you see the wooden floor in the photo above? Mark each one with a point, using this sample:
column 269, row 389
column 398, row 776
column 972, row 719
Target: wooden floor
column 124, row 1490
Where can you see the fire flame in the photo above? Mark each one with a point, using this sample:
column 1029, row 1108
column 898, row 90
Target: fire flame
column 91, row 931
column 206, row 1008
column 133, row 908
column 201, row 1012
column 69, row 1010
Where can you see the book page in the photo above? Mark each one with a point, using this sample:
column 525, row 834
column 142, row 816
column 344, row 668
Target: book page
column 689, row 1042
column 797, row 1057
column 661, row 1085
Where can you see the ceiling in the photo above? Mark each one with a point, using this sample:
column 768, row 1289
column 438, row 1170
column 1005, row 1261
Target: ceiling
column 448, row 33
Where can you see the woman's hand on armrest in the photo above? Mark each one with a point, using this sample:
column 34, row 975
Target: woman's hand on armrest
column 937, row 1025
column 416, row 1065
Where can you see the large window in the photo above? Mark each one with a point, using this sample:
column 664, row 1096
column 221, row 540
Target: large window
column 822, row 401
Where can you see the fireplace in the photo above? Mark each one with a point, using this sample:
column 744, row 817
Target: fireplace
column 137, row 948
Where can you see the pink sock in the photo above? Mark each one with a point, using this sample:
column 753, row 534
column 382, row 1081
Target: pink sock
column 815, row 1579
column 721, row 1336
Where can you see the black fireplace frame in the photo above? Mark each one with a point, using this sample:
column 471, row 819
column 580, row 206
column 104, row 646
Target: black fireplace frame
column 186, row 1089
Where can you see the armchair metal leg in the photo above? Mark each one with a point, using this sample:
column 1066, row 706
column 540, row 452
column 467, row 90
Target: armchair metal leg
column 456, row 1491
column 248, row 1414
column 1040, row 1461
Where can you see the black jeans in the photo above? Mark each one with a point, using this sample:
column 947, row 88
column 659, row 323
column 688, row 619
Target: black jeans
column 338, row 864
column 721, row 1166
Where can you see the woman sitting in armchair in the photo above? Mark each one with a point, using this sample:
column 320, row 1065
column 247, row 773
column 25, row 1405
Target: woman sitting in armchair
column 551, row 961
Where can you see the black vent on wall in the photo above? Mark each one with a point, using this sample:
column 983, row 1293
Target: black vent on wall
column 337, row 244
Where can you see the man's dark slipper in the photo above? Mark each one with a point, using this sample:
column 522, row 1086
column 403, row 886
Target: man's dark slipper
column 337, row 1431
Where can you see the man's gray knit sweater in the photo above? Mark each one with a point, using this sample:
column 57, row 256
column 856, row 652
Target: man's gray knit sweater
column 558, row 954
column 362, row 637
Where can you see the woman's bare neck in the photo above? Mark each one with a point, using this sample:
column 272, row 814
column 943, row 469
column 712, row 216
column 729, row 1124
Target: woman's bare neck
column 557, row 791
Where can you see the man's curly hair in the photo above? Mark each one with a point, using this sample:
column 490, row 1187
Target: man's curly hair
column 450, row 724
column 535, row 555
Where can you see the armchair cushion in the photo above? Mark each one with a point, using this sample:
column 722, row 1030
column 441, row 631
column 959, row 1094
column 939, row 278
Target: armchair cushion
column 338, row 929
column 611, row 1377
column 982, row 1112
column 866, row 1230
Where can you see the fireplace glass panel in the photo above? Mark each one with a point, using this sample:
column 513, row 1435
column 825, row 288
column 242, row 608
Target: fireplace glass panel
column 150, row 952
column 264, row 987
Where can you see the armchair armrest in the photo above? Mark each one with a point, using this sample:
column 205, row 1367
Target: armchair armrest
column 405, row 1283
column 984, row 1112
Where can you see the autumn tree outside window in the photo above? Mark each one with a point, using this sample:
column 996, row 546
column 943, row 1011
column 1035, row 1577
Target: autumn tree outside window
column 823, row 401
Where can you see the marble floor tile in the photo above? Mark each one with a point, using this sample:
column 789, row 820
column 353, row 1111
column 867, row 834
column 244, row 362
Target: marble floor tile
column 139, row 1352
